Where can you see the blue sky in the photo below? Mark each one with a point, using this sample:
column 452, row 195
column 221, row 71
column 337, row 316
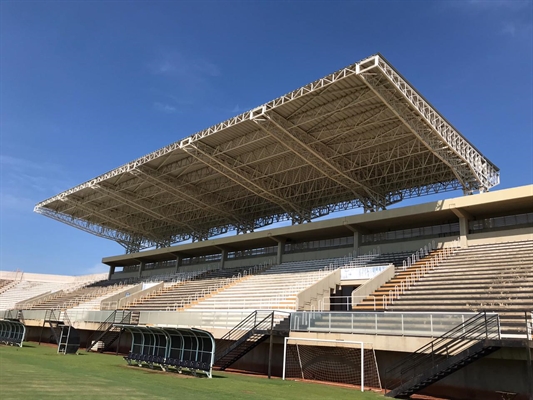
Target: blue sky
column 88, row 86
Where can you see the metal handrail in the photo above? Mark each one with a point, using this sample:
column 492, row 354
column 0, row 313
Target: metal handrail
column 459, row 338
column 245, row 327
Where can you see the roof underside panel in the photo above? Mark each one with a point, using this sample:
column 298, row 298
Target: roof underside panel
column 361, row 137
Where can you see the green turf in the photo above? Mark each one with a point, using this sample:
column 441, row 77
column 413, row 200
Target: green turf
column 38, row 372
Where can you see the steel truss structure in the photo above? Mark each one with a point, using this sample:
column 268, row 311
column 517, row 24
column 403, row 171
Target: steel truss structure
column 360, row 137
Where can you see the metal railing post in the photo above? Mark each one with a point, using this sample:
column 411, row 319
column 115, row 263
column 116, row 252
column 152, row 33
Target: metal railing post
column 271, row 345
column 486, row 325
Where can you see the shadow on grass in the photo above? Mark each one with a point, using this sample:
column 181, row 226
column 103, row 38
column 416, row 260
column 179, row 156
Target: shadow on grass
column 156, row 370
column 28, row 345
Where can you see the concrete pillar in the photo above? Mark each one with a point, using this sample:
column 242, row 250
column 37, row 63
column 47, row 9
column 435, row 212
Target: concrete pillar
column 111, row 272
column 281, row 249
column 223, row 257
column 141, row 269
column 179, row 261
column 356, row 237
column 356, row 242
column 464, row 217
column 463, row 232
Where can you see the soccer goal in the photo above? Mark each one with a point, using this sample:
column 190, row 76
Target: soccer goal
column 339, row 361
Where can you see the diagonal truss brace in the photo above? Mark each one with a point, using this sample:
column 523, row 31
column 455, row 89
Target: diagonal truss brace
column 244, row 175
column 124, row 239
column 475, row 171
column 144, row 206
column 420, row 129
column 321, row 157
column 95, row 210
column 187, row 192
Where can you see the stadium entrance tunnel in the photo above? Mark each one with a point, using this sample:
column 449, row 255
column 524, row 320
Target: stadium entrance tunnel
column 12, row 332
column 175, row 349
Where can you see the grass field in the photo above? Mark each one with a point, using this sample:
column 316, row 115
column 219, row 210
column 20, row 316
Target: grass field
column 38, row 372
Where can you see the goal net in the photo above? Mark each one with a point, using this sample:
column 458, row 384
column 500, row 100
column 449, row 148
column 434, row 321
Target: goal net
column 337, row 361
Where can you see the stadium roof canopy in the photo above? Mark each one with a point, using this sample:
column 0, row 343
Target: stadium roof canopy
column 360, row 137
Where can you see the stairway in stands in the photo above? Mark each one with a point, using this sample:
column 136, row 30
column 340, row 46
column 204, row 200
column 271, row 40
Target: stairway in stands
column 477, row 337
column 248, row 334
column 402, row 280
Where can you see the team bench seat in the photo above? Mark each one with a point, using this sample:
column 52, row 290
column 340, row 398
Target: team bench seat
column 165, row 363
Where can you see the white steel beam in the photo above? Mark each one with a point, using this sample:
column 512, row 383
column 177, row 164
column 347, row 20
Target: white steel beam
column 244, row 175
column 319, row 156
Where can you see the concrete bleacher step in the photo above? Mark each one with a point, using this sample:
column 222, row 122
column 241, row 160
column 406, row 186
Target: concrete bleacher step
column 399, row 278
column 492, row 277
column 502, row 273
column 275, row 288
column 421, row 288
column 187, row 293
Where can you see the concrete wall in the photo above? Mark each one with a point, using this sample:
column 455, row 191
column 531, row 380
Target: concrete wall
column 388, row 247
column 505, row 371
column 485, row 379
column 406, row 245
column 315, row 255
column 111, row 303
column 163, row 271
column 500, row 236
column 309, row 298
column 249, row 262
column 124, row 301
column 124, row 275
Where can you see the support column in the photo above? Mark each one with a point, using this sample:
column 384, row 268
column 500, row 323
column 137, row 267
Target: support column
column 464, row 218
column 281, row 249
column 356, row 242
column 463, row 232
column 141, row 269
column 111, row 272
column 223, row 257
column 179, row 261
column 356, row 238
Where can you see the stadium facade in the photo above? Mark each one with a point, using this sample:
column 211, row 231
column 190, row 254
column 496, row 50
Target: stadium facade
column 454, row 274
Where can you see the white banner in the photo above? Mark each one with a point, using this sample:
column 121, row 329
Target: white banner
column 348, row 274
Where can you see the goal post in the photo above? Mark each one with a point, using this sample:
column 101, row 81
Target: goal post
column 341, row 361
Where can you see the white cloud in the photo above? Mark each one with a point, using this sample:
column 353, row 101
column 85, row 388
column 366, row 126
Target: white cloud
column 238, row 109
column 25, row 182
column 509, row 28
column 18, row 163
column 176, row 65
column 516, row 29
column 188, row 78
column 498, row 4
column 96, row 269
column 508, row 17
column 166, row 108
column 11, row 202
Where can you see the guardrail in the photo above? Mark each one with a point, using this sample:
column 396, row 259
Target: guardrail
column 421, row 272
column 378, row 323
column 372, row 323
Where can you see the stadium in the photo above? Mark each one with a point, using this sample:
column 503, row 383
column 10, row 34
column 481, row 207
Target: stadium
column 231, row 263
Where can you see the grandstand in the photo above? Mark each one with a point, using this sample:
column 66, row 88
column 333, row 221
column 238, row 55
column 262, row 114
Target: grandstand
column 395, row 279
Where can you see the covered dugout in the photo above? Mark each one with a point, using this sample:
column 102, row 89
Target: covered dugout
column 12, row 332
column 178, row 348
column 359, row 137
